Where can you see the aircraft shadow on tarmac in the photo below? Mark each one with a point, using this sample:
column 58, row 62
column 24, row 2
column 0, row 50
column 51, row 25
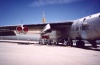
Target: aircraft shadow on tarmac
column 85, row 47
column 89, row 48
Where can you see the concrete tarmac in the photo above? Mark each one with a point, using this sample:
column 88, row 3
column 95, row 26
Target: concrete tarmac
column 34, row 54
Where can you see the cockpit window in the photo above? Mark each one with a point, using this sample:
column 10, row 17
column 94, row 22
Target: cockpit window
column 85, row 25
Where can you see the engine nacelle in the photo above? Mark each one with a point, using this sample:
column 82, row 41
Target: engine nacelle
column 19, row 29
column 25, row 30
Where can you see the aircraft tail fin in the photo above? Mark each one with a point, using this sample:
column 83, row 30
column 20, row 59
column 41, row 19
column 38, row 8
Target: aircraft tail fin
column 43, row 19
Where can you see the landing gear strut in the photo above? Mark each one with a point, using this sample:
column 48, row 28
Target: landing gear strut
column 45, row 42
column 66, row 41
column 70, row 42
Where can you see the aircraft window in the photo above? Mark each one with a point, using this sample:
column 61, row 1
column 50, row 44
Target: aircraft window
column 84, row 19
column 99, row 15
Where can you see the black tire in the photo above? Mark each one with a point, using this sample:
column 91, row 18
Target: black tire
column 49, row 43
column 94, row 44
column 65, row 44
column 80, row 44
column 57, row 43
column 71, row 44
column 39, row 42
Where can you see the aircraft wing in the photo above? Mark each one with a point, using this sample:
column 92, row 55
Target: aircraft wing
column 57, row 25
column 8, row 27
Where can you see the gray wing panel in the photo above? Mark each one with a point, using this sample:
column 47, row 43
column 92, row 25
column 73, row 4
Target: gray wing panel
column 8, row 27
column 59, row 25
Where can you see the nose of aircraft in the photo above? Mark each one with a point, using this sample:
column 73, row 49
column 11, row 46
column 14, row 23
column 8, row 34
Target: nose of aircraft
column 93, row 27
column 96, row 25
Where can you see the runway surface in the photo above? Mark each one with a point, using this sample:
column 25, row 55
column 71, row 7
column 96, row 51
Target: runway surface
column 34, row 54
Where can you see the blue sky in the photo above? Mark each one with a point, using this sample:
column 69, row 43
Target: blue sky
column 30, row 11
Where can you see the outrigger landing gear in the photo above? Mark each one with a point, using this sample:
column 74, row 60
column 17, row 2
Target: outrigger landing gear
column 80, row 44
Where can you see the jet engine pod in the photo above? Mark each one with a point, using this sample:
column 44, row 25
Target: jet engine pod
column 25, row 30
column 19, row 29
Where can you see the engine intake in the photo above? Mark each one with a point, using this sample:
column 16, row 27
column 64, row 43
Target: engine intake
column 25, row 30
column 19, row 29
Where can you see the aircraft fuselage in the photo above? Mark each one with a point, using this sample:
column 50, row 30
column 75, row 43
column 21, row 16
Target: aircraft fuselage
column 87, row 28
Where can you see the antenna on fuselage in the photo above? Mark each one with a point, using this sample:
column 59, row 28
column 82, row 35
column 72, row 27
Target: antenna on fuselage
column 43, row 19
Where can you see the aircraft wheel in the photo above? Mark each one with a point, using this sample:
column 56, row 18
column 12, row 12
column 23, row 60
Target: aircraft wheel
column 65, row 43
column 80, row 44
column 71, row 43
column 49, row 43
column 94, row 44
column 55, row 43
column 39, row 42
column 77, row 44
